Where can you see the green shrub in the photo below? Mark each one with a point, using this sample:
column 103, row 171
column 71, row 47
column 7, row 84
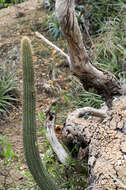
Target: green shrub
column 6, row 150
column 6, row 3
column 7, row 89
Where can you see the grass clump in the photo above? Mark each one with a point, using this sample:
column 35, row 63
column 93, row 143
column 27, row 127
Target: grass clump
column 80, row 97
column 109, row 52
column 8, row 87
column 98, row 12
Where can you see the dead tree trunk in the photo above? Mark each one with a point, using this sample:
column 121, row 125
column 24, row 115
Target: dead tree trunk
column 105, row 137
column 106, row 142
column 104, row 82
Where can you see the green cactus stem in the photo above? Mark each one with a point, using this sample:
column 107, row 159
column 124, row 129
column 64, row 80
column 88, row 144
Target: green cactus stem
column 32, row 156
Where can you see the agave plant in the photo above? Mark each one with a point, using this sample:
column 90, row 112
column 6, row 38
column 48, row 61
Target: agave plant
column 54, row 27
column 7, row 89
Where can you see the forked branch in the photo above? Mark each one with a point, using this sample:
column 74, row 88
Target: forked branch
column 91, row 77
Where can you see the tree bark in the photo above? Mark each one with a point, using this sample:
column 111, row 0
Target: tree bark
column 105, row 138
column 104, row 82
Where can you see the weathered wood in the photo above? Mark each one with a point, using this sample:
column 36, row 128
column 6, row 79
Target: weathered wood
column 106, row 142
column 77, row 127
column 51, row 135
column 52, row 138
column 104, row 82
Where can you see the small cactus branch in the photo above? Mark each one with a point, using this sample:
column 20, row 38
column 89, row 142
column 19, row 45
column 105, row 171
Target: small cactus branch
column 29, row 122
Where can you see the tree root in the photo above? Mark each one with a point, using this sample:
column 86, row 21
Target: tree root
column 106, row 142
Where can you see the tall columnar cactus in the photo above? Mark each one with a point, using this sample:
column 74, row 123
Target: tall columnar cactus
column 29, row 121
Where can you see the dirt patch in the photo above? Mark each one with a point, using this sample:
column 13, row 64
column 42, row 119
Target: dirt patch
column 10, row 15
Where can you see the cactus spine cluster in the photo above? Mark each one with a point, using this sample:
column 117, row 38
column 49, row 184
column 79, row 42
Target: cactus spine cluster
column 29, row 121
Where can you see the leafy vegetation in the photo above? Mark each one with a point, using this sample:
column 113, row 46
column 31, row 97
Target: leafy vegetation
column 85, row 98
column 6, row 158
column 6, row 151
column 6, row 3
column 78, row 97
column 98, row 12
column 7, row 89
column 109, row 52
column 54, row 27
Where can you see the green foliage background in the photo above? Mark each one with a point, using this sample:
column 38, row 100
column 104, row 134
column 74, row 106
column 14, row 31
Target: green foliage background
column 6, row 3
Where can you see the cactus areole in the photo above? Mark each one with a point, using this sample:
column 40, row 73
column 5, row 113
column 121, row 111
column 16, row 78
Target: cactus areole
column 29, row 122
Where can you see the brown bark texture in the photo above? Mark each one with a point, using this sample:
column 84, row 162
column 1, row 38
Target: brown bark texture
column 104, row 82
column 104, row 133
column 105, row 136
